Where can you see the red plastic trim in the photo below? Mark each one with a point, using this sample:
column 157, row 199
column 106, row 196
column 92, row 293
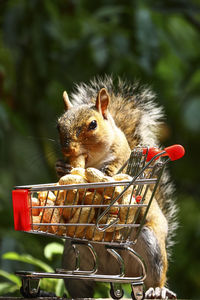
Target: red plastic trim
column 174, row 152
column 21, row 209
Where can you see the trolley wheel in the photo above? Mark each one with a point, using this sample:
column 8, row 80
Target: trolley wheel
column 137, row 292
column 27, row 291
column 116, row 291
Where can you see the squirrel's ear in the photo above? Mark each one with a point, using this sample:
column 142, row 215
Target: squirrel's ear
column 102, row 102
column 67, row 103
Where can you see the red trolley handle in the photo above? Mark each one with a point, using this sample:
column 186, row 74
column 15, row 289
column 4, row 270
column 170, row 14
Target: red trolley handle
column 21, row 209
column 174, row 152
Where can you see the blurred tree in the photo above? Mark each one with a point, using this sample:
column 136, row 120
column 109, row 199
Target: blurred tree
column 47, row 46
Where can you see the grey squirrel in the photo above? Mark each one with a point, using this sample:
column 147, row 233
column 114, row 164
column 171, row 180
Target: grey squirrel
column 102, row 122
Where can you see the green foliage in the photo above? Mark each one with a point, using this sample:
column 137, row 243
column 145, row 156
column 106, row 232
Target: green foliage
column 46, row 47
column 47, row 284
column 13, row 285
column 52, row 249
column 26, row 258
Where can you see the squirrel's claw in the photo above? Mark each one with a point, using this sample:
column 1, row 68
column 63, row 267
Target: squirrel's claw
column 159, row 293
column 62, row 168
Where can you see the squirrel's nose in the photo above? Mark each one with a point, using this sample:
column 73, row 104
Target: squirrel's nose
column 67, row 144
column 70, row 148
column 74, row 148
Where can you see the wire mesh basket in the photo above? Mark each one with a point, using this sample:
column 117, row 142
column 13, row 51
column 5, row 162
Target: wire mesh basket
column 95, row 212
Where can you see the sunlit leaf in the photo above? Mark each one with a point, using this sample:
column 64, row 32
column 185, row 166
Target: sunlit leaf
column 60, row 288
column 28, row 259
column 7, row 288
column 48, row 284
column 52, row 249
column 13, row 278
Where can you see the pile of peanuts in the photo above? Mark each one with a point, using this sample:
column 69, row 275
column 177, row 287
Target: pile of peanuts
column 71, row 215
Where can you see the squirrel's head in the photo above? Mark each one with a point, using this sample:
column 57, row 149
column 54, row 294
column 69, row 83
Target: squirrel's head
column 86, row 129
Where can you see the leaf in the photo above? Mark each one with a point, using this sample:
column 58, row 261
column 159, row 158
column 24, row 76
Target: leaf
column 27, row 259
column 52, row 249
column 13, row 278
column 102, row 290
column 48, row 284
column 60, row 288
column 7, row 288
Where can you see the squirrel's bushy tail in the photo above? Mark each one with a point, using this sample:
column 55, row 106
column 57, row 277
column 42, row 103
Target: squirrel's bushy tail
column 136, row 113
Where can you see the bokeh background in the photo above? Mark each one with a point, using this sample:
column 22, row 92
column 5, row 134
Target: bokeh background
column 46, row 47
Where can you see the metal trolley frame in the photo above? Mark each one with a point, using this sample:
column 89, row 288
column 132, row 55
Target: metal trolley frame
column 145, row 166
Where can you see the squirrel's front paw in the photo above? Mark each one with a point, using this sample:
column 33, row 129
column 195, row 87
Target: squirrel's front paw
column 62, row 168
column 159, row 293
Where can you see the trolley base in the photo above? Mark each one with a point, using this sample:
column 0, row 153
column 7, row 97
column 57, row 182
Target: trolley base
column 31, row 281
column 30, row 278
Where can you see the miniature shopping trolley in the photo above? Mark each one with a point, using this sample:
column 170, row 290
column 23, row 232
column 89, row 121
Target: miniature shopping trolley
column 111, row 213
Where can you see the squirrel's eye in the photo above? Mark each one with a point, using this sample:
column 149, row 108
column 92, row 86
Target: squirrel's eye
column 92, row 125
